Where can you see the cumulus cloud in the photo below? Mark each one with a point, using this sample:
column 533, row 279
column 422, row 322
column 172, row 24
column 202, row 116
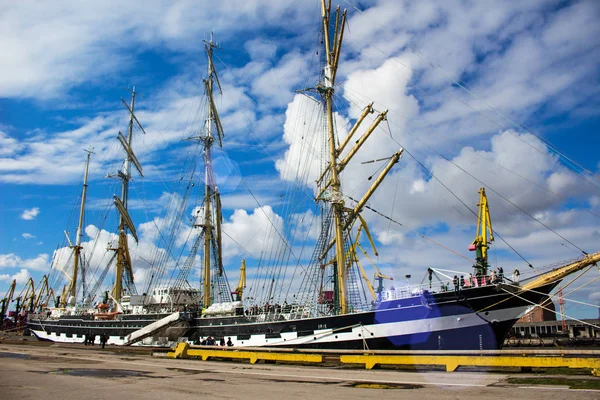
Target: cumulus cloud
column 21, row 277
column 43, row 65
column 28, row 236
column 276, row 85
column 261, row 49
column 30, row 214
column 252, row 233
column 11, row 260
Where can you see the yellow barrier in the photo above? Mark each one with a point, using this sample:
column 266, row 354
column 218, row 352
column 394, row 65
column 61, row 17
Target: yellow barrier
column 504, row 358
column 453, row 362
column 183, row 350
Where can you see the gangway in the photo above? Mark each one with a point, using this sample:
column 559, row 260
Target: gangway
column 149, row 330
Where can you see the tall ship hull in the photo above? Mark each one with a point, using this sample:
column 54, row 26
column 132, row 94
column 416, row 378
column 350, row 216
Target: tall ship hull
column 471, row 319
column 467, row 319
column 75, row 328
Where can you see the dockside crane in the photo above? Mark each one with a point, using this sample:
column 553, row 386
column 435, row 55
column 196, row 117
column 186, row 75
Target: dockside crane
column 43, row 292
column 27, row 296
column 5, row 302
column 239, row 290
column 484, row 235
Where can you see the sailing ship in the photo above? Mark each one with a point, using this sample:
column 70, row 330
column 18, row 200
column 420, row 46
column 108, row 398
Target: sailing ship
column 122, row 310
column 476, row 313
column 328, row 311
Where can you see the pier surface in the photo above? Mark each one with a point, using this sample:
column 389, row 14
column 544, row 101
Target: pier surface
column 42, row 370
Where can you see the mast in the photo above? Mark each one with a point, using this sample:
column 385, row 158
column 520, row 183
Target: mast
column 77, row 248
column 211, row 228
column 124, row 272
column 330, row 189
column 337, row 202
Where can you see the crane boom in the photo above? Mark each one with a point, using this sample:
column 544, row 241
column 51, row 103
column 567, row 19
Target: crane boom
column 239, row 290
column 484, row 235
column 6, row 301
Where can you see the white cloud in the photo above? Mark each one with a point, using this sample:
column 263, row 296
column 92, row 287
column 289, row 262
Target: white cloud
column 50, row 49
column 277, row 85
column 21, row 277
column 30, row 214
column 386, row 85
column 261, row 49
column 28, row 236
column 11, row 260
column 8, row 145
column 252, row 233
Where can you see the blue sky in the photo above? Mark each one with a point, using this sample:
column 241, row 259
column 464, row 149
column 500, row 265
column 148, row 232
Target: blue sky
column 508, row 91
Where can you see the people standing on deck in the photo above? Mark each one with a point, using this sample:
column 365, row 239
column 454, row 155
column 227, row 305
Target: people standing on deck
column 222, row 342
column 229, row 342
column 455, row 282
column 516, row 275
column 500, row 274
column 462, row 281
column 493, row 277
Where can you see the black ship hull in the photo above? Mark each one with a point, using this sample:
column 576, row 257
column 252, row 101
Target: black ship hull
column 475, row 318
column 74, row 328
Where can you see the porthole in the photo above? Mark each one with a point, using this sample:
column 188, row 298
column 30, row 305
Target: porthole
column 336, row 336
column 359, row 335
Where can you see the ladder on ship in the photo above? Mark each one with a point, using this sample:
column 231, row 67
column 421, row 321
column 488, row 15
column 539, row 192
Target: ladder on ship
column 352, row 283
column 189, row 262
column 310, row 281
column 223, row 292
column 150, row 330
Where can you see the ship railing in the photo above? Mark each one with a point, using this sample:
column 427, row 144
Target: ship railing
column 439, row 287
column 285, row 312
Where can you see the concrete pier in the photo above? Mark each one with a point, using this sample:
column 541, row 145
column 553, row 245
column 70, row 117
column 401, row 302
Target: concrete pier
column 41, row 370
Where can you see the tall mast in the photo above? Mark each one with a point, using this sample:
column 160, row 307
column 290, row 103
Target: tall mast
column 211, row 228
column 124, row 271
column 208, row 140
column 77, row 247
column 343, row 218
column 337, row 203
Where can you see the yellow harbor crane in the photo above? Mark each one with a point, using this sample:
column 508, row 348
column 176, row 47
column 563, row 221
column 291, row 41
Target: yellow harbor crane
column 44, row 294
column 26, row 297
column 239, row 290
column 5, row 302
column 484, row 235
